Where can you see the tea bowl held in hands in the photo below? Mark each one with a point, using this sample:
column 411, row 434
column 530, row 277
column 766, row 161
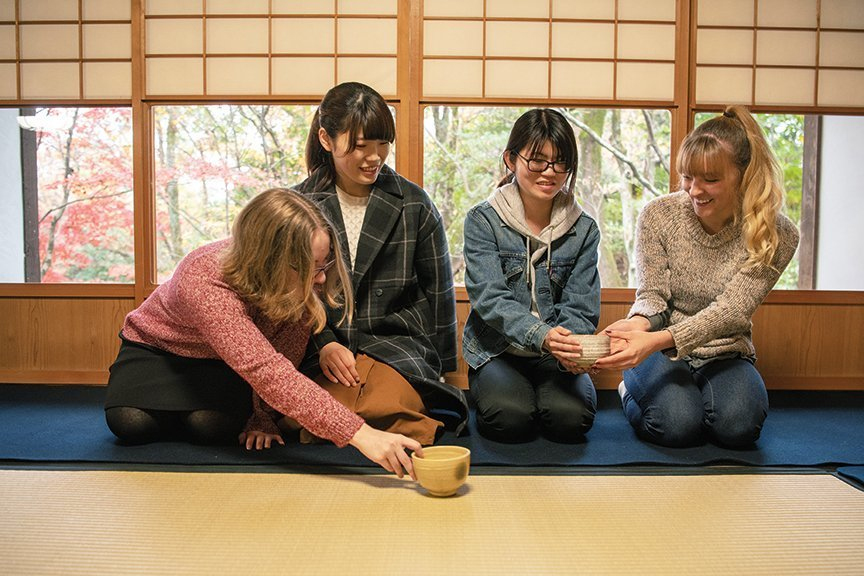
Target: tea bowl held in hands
column 442, row 469
column 594, row 347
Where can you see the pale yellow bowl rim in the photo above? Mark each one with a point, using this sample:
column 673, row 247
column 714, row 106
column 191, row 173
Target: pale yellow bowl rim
column 462, row 453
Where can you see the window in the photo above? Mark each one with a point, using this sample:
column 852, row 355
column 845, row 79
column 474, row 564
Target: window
column 210, row 160
column 623, row 163
column 67, row 187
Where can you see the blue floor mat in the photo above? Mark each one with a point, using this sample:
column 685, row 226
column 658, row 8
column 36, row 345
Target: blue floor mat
column 57, row 424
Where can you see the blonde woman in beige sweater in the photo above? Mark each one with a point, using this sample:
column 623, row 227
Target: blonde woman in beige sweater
column 707, row 256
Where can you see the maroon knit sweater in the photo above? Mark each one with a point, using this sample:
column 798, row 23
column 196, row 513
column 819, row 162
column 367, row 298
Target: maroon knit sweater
column 197, row 315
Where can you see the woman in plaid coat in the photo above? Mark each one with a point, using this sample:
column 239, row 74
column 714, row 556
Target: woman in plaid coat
column 388, row 362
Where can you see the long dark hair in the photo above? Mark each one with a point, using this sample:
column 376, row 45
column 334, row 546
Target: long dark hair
column 533, row 129
column 352, row 108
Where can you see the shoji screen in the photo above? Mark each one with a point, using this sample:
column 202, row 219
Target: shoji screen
column 65, row 49
column 588, row 50
column 268, row 47
column 780, row 52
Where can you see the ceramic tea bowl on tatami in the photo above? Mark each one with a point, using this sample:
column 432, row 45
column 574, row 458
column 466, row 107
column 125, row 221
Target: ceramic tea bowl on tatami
column 442, row 469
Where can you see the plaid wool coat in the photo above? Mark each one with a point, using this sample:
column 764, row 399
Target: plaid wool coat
column 405, row 305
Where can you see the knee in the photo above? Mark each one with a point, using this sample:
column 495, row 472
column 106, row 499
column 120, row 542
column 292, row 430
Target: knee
column 507, row 422
column 567, row 424
column 132, row 425
column 675, row 427
column 737, row 430
column 212, row 427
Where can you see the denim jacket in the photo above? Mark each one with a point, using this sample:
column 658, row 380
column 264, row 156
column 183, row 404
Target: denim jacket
column 567, row 285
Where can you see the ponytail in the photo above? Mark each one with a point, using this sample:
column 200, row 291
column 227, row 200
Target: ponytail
column 762, row 192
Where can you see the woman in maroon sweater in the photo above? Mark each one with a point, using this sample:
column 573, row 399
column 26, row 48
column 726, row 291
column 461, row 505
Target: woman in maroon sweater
column 221, row 339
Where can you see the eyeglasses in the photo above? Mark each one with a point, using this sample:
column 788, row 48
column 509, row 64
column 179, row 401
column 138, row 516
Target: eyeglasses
column 540, row 165
column 324, row 268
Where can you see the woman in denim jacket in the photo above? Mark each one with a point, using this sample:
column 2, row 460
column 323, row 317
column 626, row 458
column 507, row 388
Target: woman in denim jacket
column 531, row 275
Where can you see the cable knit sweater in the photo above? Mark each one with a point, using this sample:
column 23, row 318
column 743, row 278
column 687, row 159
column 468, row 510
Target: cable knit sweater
column 197, row 315
column 698, row 280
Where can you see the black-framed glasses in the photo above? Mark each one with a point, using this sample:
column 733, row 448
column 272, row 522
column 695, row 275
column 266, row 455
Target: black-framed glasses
column 540, row 165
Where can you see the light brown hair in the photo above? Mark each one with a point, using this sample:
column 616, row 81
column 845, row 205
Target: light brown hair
column 736, row 134
column 271, row 266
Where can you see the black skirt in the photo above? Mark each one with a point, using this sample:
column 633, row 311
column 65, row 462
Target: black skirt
column 152, row 379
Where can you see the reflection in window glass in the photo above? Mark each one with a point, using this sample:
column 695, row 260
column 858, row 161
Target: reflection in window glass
column 210, row 160
column 68, row 195
column 623, row 163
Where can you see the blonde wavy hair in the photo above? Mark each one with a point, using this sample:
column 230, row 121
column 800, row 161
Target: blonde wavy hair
column 736, row 135
column 271, row 266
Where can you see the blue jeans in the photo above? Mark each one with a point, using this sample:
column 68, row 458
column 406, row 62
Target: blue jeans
column 518, row 397
column 669, row 403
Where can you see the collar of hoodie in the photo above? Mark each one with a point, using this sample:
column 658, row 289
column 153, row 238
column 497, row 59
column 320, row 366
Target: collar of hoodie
column 507, row 203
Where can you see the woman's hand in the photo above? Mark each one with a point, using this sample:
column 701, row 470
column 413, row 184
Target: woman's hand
column 387, row 449
column 563, row 345
column 338, row 364
column 636, row 323
column 257, row 440
column 630, row 348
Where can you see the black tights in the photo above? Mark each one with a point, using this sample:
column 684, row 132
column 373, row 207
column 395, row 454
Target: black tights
column 139, row 426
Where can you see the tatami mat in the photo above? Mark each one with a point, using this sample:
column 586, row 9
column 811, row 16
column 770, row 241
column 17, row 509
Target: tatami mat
column 112, row 522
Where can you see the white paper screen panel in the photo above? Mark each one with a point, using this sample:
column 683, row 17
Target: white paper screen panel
column 367, row 36
column 516, row 9
column 107, row 41
column 304, row 7
column 59, row 47
column 50, row 80
column 379, row 73
column 785, row 86
column 841, row 88
column 8, row 81
column 543, row 44
column 7, row 43
column 848, row 14
column 271, row 48
column 175, row 76
column 588, row 80
column 49, row 42
column 47, row 10
column 173, row 7
column 384, row 7
column 659, row 10
column 779, row 52
column 303, row 36
column 841, row 49
column 303, row 75
column 516, row 78
column 107, row 10
column 237, row 76
column 519, row 39
column 448, row 38
column 724, row 13
column 7, row 10
column 584, row 9
column 237, row 36
column 453, row 8
column 583, row 40
column 724, row 85
column 462, row 78
column 111, row 80
column 183, row 36
column 787, row 13
column 236, row 7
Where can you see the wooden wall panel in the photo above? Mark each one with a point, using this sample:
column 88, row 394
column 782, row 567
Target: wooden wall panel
column 800, row 345
column 59, row 340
